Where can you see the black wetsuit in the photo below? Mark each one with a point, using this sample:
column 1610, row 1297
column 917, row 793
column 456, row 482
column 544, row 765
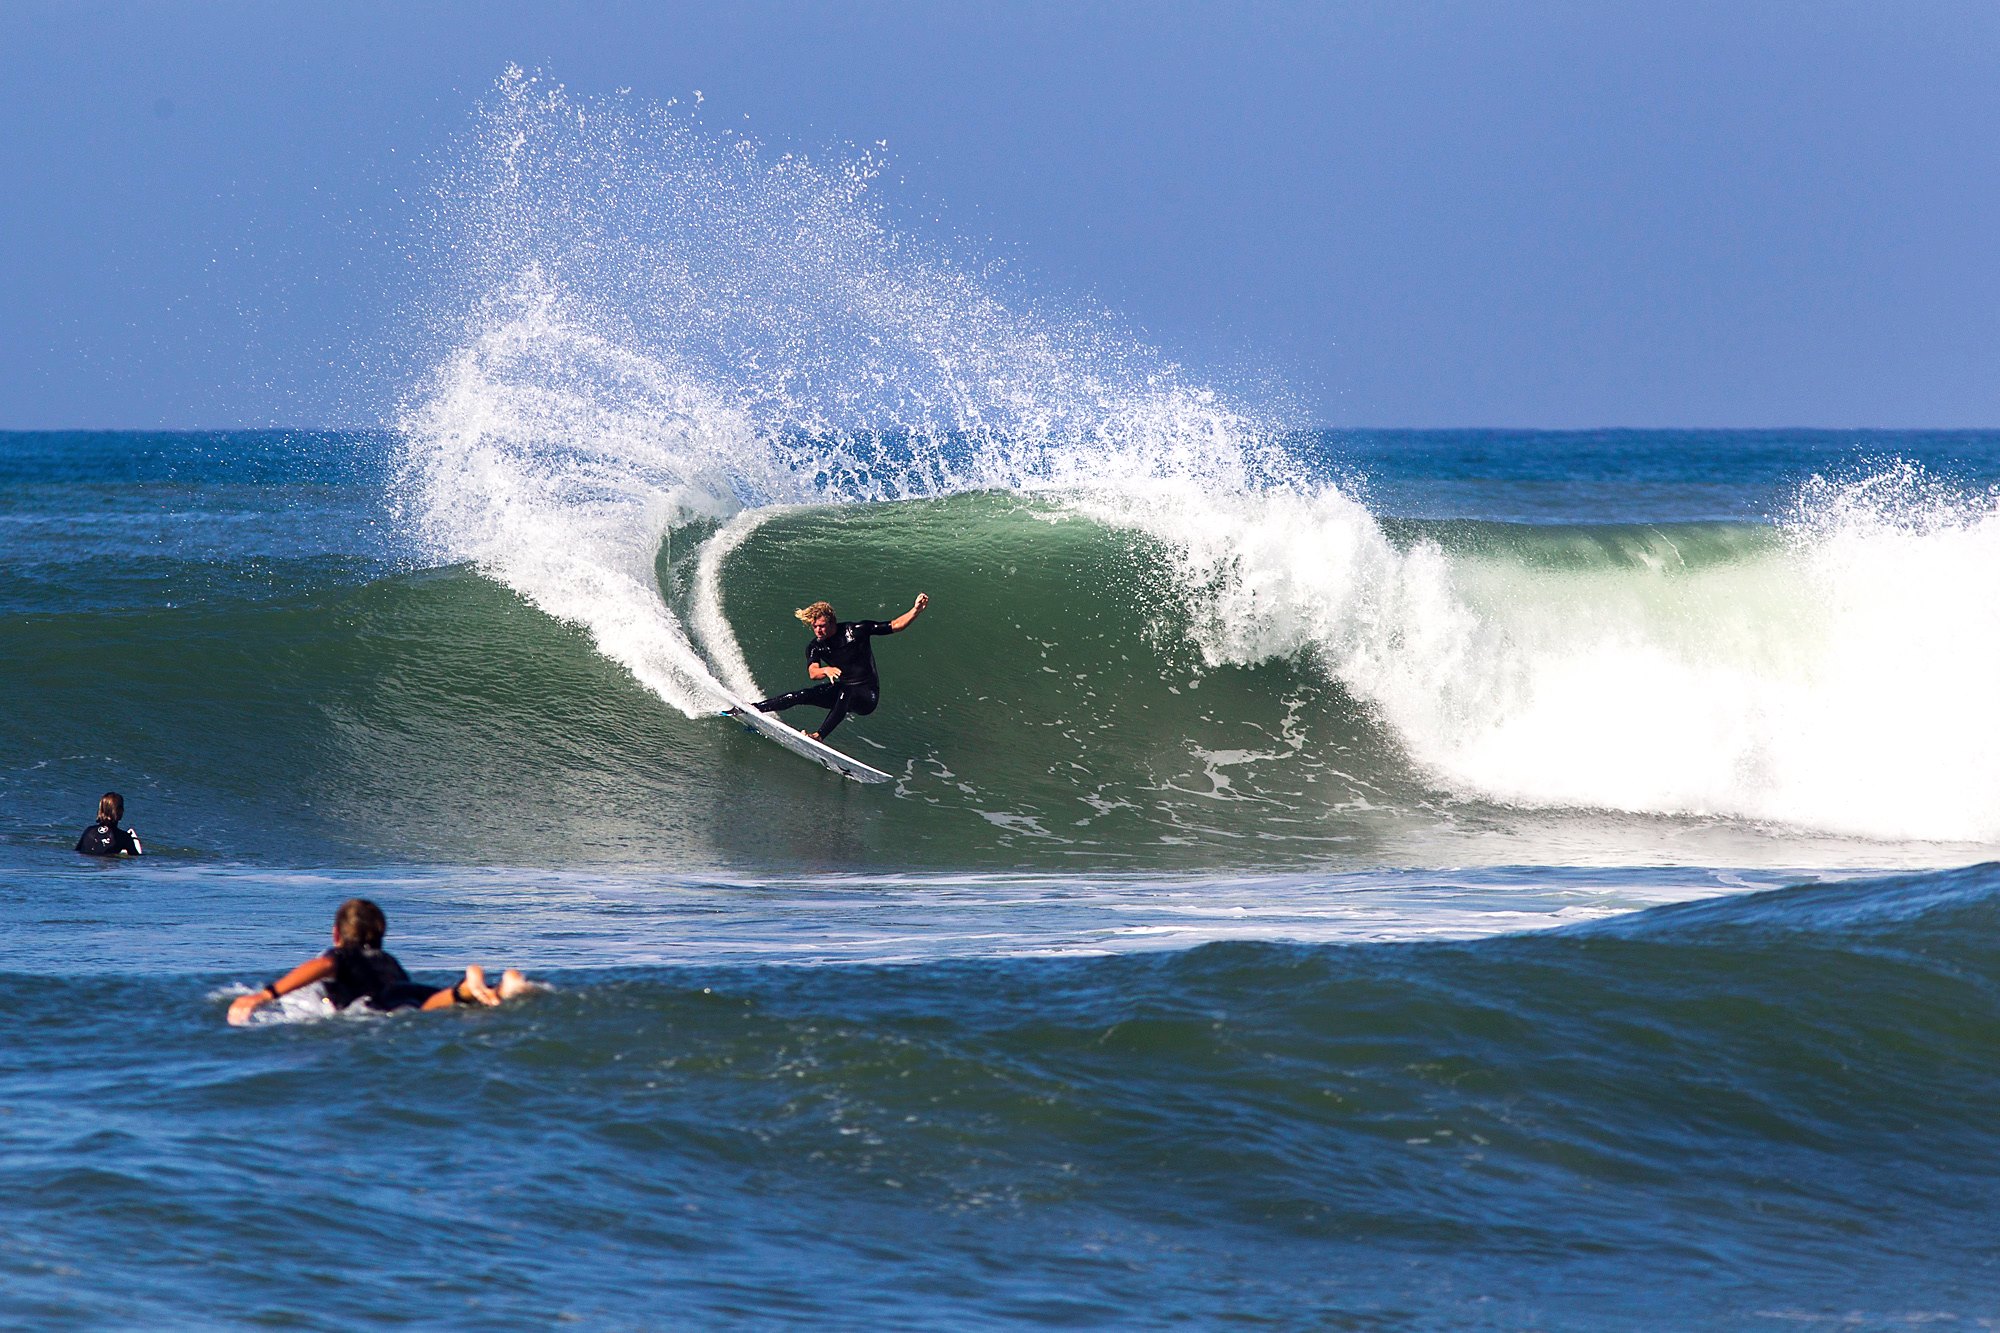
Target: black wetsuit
column 105, row 838
column 364, row 973
column 857, row 691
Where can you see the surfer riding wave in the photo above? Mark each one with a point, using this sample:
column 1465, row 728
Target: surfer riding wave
column 841, row 659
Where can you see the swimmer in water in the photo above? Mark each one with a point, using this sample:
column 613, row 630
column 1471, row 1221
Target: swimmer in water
column 356, row 968
column 841, row 660
column 105, row 838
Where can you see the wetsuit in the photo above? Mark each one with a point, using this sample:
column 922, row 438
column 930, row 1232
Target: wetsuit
column 857, row 691
column 105, row 838
column 361, row 972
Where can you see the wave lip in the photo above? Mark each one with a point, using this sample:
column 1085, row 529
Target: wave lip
column 665, row 326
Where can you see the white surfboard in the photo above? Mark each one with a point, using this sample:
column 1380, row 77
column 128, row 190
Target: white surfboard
column 768, row 726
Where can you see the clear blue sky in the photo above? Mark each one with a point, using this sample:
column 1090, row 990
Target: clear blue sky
column 1422, row 214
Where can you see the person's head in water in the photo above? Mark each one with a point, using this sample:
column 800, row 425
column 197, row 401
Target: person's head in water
column 359, row 923
column 820, row 616
column 111, row 807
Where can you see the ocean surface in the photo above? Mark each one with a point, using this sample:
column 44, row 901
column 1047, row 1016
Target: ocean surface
column 1376, row 880
column 1637, row 970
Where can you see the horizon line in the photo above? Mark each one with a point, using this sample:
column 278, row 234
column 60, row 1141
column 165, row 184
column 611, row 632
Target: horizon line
column 1297, row 430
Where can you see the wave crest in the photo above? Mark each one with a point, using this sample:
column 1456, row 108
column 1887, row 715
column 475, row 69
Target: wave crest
column 669, row 326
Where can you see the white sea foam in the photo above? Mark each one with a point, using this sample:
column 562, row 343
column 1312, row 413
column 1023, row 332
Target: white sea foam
column 666, row 324
column 559, row 463
column 1839, row 682
column 308, row 1004
column 713, row 632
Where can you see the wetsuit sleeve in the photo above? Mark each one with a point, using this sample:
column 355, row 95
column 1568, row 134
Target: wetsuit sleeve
column 128, row 843
column 875, row 627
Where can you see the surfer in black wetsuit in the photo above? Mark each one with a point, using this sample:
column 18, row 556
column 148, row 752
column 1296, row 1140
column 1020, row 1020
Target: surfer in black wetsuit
column 356, row 968
column 105, row 838
column 843, row 663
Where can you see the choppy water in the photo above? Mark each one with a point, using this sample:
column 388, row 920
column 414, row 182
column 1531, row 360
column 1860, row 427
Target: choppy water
column 1772, row 1107
column 1372, row 880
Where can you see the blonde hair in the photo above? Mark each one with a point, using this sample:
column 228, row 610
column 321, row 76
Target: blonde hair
column 808, row 614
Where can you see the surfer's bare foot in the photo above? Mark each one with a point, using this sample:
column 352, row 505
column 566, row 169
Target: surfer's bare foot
column 512, row 983
column 474, row 987
column 813, row 736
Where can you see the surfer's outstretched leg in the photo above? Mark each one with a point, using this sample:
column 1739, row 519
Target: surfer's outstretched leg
column 512, row 983
column 819, row 696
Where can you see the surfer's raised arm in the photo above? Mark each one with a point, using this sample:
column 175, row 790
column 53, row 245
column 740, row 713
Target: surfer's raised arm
column 903, row 621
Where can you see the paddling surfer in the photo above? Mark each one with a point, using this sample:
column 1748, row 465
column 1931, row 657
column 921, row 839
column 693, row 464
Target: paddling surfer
column 842, row 662
column 357, row 968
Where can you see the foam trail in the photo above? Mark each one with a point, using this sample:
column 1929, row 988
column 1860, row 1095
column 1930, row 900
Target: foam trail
column 575, row 528
column 711, row 625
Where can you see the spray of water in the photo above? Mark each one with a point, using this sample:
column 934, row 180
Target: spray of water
column 661, row 324
column 666, row 324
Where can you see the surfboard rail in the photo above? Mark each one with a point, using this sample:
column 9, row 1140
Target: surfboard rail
column 745, row 714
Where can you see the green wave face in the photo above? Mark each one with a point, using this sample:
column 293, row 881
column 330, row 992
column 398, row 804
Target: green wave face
column 1071, row 700
column 418, row 716
column 1045, row 712
column 1049, row 705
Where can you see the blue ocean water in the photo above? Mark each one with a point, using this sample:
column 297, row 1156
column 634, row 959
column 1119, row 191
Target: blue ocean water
column 1360, row 879
column 1171, row 981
